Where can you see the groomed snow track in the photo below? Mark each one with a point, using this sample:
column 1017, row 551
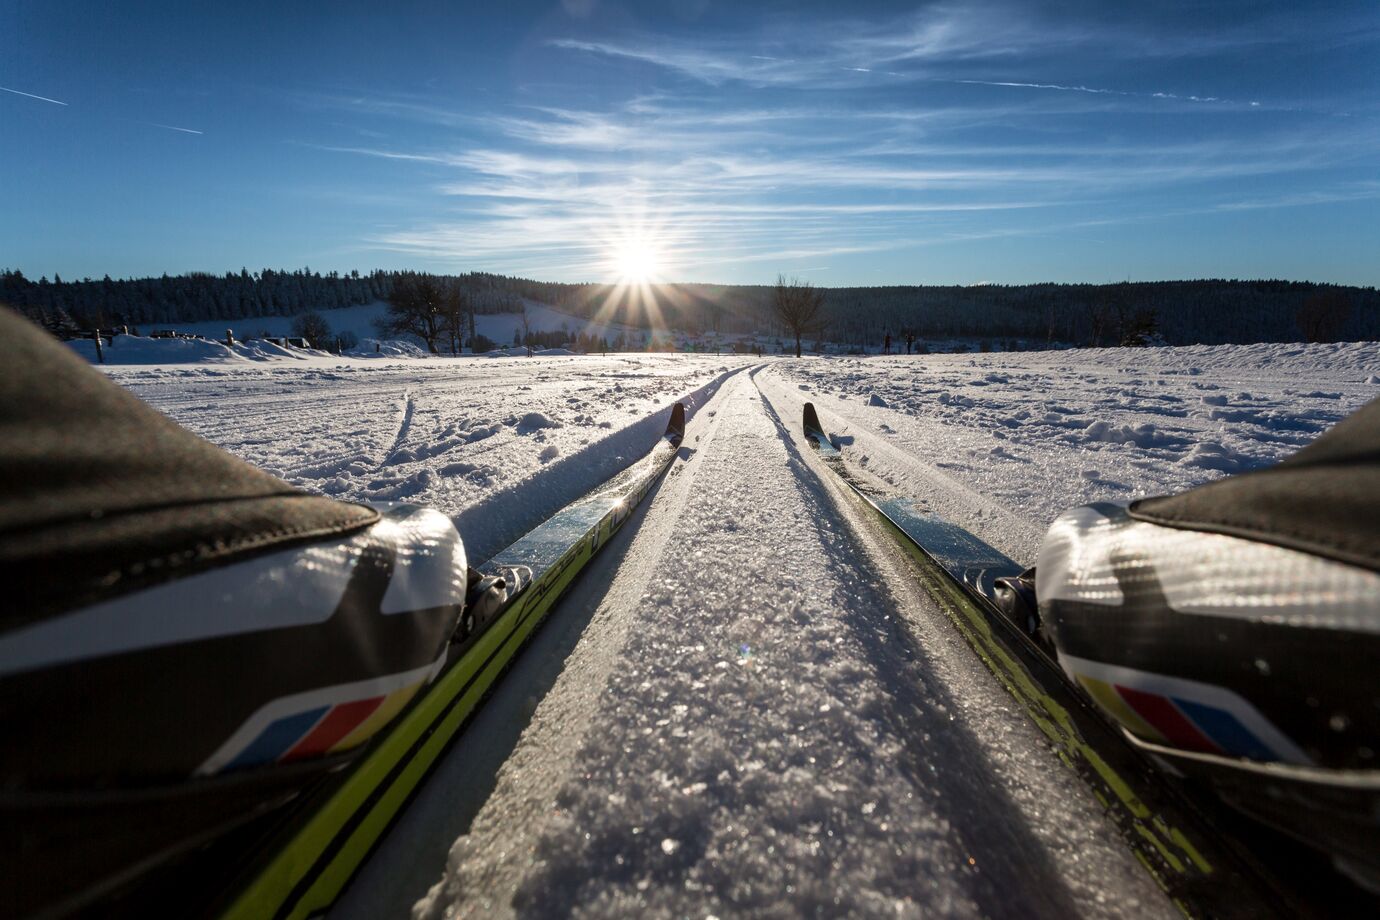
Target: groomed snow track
column 748, row 706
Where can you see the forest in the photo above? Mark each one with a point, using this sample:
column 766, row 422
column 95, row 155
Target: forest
column 1032, row 315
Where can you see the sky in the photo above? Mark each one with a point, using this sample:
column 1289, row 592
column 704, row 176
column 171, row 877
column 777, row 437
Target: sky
column 695, row 140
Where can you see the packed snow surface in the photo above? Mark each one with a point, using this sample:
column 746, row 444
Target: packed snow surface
column 747, row 705
column 775, row 737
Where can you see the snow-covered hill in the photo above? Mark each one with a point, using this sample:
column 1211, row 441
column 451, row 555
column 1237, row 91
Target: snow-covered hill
column 499, row 327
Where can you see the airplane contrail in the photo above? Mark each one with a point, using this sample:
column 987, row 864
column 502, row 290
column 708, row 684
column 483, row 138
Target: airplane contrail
column 1098, row 91
column 32, row 96
column 176, row 128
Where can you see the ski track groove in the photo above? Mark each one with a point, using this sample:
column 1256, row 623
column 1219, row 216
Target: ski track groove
column 409, row 406
column 564, row 717
column 934, row 489
column 901, row 797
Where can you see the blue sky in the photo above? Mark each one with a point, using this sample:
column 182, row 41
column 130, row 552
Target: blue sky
column 845, row 143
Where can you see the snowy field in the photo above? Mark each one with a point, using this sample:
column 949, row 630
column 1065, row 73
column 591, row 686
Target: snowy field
column 747, row 706
column 498, row 444
column 1004, row 442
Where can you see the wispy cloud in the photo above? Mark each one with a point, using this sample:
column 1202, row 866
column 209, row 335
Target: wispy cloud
column 1097, row 91
column 842, row 52
column 727, row 162
column 445, row 159
column 560, row 205
column 32, row 96
column 1359, row 191
column 175, row 128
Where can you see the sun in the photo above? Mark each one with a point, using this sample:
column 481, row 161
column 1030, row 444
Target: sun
column 636, row 262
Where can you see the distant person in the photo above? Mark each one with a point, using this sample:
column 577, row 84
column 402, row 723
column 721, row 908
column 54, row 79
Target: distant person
column 886, row 345
column 910, row 341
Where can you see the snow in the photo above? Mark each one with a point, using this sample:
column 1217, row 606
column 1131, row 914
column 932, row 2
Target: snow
column 770, row 737
column 211, row 347
column 466, row 436
column 1002, row 443
column 747, row 705
column 133, row 349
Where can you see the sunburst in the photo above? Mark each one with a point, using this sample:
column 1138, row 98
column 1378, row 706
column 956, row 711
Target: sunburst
column 637, row 262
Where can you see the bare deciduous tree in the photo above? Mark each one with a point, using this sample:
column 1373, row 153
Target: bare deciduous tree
column 414, row 308
column 797, row 304
column 313, row 327
column 458, row 309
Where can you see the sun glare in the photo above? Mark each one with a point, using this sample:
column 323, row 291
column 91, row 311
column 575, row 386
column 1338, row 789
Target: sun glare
column 636, row 254
column 637, row 263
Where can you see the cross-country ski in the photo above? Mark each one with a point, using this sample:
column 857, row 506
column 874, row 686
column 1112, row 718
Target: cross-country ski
column 689, row 460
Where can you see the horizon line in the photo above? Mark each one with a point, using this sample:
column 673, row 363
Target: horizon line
column 87, row 279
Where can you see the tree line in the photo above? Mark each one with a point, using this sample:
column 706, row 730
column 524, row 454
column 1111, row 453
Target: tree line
column 1217, row 311
column 149, row 303
column 1210, row 312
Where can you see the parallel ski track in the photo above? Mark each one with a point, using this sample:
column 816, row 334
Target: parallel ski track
column 565, row 669
column 340, row 833
column 1245, row 891
column 481, row 883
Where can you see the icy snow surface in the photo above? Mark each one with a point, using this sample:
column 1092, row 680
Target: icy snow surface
column 746, row 706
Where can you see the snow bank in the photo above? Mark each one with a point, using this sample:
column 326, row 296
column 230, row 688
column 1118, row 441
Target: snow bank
column 133, row 349
column 460, row 434
column 387, row 348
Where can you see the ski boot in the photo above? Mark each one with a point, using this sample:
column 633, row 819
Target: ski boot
column 1233, row 630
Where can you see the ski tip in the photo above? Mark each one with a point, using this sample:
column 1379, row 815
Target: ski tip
column 812, row 419
column 675, row 428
